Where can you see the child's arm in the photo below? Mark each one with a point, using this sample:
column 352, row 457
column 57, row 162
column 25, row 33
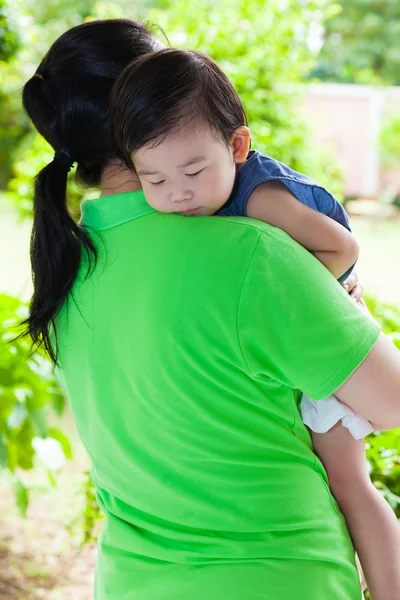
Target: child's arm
column 372, row 523
column 329, row 241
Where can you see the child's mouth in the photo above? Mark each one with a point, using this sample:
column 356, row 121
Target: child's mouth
column 193, row 211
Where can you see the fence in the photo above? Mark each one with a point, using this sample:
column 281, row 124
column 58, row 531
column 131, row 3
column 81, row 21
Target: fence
column 347, row 119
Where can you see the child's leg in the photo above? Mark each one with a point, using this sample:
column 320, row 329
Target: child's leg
column 372, row 523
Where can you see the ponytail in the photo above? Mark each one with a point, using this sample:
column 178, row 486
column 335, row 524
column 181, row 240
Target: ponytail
column 56, row 248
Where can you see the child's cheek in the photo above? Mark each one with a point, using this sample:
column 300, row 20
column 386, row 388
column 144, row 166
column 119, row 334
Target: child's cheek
column 152, row 198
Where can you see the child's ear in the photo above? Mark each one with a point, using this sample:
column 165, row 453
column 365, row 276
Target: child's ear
column 240, row 143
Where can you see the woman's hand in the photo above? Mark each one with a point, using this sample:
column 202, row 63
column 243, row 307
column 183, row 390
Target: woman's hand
column 353, row 287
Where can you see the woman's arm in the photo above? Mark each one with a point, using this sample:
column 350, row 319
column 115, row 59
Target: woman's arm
column 333, row 245
column 373, row 390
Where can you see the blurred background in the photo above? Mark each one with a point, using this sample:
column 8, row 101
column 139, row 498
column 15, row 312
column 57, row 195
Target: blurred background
column 321, row 85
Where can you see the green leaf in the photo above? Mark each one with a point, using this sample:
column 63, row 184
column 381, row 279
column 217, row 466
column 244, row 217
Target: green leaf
column 39, row 421
column 7, row 400
column 6, row 376
column 58, row 401
column 23, row 444
column 52, row 479
column 21, row 496
column 3, row 455
column 64, row 441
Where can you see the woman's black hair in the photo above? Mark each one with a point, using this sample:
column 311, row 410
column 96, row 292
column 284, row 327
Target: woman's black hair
column 67, row 101
column 159, row 93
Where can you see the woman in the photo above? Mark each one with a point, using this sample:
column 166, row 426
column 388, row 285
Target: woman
column 182, row 347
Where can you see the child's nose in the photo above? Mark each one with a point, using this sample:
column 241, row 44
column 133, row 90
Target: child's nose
column 181, row 195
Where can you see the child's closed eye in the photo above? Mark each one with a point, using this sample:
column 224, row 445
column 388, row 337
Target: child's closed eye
column 156, row 182
column 195, row 174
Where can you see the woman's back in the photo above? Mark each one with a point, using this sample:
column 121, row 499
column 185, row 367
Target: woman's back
column 179, row 355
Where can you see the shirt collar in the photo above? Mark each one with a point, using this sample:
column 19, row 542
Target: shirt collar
column 110, row 211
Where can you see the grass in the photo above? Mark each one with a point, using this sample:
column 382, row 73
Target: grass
column 378, row 265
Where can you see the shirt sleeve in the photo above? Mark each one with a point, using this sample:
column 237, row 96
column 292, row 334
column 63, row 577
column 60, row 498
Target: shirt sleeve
column 327, row 204
column 296, row 324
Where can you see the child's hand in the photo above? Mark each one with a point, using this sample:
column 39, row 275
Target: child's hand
column 353, row 286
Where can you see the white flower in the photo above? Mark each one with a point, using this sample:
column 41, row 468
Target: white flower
column 49, row 452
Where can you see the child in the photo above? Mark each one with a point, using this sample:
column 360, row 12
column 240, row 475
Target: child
column 177, row 121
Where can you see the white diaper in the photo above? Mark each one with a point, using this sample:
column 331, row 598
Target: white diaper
column 321, row 415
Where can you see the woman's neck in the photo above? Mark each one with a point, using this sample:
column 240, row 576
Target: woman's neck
column 116, row 179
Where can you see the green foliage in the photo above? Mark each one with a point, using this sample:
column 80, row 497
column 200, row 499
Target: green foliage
column 362, row 43
column 28, row 392
column 390, row 141
column 91, row 514
column 12, row 123
column 383, row 449
column 35, row 26
column 9, row 38
column 388, row 317
column 88, row 520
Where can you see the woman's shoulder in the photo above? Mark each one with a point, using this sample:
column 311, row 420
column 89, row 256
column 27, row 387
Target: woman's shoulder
column 259, row 230
column 263, row 242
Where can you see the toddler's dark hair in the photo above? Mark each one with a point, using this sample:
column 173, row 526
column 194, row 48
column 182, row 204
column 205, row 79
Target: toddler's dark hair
column 159, row 93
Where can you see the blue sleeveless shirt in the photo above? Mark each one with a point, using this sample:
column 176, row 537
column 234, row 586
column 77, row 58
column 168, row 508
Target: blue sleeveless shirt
column 259, row 168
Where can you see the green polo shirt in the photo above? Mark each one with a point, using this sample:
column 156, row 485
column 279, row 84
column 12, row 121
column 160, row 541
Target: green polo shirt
column 182, row 354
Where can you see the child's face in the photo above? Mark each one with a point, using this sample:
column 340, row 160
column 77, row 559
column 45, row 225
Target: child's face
column 191, row 173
